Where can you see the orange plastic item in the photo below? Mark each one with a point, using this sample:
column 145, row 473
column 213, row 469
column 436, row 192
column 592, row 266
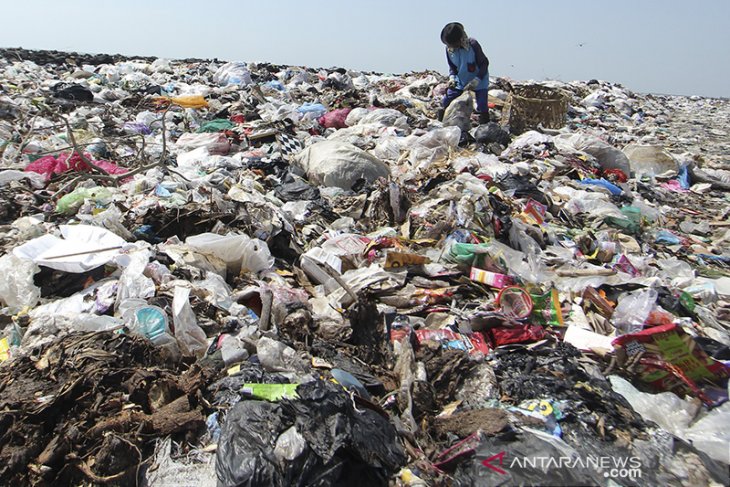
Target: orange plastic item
column 193, row 101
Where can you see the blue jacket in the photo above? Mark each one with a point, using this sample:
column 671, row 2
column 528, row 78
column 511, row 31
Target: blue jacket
column 467, row 64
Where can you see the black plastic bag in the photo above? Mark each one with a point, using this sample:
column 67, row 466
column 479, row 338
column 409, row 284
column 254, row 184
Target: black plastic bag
column 343, row 445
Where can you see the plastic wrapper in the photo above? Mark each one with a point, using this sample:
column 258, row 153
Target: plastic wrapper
column 671, row 361
column 474, row 343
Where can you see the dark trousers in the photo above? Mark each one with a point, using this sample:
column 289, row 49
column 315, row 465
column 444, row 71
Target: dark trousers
column 480, row 95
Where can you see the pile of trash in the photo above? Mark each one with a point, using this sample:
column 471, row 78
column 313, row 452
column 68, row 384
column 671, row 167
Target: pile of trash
column 248, row 274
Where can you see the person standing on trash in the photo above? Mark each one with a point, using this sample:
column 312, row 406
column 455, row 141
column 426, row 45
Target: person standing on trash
column 468, row 68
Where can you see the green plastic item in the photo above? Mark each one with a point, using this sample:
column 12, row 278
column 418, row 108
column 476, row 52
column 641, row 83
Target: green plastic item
column 465, row 253
column 217, row 125
column 630, row 224
column 71, row 202
column 546, row 310
column 270, row 392
column 687, row 301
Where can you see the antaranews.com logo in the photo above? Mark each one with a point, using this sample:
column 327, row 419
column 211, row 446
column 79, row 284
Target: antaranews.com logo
column 609, row 467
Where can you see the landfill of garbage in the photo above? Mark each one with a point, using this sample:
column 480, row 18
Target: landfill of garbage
column 227, row 273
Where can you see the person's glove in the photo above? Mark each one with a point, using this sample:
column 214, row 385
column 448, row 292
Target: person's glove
column 472, row 85
column 453, row 82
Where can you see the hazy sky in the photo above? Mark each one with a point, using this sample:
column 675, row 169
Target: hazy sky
column 658, row 46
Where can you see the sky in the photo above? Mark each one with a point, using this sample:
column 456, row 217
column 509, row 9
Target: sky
column 649, row 46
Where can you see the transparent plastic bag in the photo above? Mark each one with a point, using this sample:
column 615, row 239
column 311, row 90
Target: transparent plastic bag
column 17, row 289
column 189, row 335
column 633, row 309
column 289, row 445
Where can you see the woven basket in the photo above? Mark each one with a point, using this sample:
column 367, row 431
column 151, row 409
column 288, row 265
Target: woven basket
column 531, row 105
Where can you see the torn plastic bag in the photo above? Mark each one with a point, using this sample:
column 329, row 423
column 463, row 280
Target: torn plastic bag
column 275, row 356
column 241, row 253
column 633, row 309
column 707, row 432
column 71, row 202
column 81, row 249
column 711, row 434
column 340, row 164
column 171, row 469
column 386, row 117
column 72, row 92
column 342, row 445
column 665, row 408
column 9, row 175
column 374, row 278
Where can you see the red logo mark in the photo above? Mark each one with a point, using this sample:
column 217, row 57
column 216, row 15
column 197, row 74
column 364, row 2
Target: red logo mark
column 488, row 463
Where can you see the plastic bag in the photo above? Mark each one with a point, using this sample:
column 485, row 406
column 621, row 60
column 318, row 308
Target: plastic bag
column 189, row 335
column 340, row 164
column 711, row 433
column 241, row 253
column 82, row 248
column 277, row 357
column 650, row 160
column 234, row 73
column 458, row 113
column 633, row 309
column 339, row 445
column 335, row 119
column 289, row 445
column 386, row 117
column 132, row 282
column 70, row 203
column 665, row 408
column 17, row 289
column 605, row 154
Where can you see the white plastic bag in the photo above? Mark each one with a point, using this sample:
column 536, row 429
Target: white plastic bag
column 81, row 249
column 189, row 335
column 278, row 357
column 458, row 113
column 17, row 289
column 133, row 283
column 607, row 155
column 241, row 253
column 340, row 164
column 651, row 160
column 633, row 309
column 234, row 73
column 289, row 445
